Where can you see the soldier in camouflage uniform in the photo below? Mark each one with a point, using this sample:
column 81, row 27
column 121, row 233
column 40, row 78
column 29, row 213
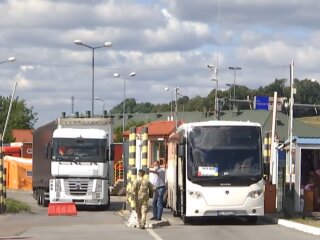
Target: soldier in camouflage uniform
column 140, row 190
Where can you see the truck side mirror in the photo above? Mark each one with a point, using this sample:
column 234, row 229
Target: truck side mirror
column 112, row 152
column 49, row 150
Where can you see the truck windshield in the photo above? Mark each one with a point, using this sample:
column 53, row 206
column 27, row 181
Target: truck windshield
column 220, row 153
column 79, row 149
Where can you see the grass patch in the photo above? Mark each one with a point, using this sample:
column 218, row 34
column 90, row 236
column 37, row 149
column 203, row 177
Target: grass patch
column 15, row 206
column 308, row 221
column 315, row 121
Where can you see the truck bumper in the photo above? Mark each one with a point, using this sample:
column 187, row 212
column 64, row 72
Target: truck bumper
column 81, row 192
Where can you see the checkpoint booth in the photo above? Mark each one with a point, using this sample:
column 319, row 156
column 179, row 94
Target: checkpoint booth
column 305, row 174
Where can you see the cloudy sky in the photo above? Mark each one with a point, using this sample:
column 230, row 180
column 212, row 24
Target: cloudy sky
column 168, row 43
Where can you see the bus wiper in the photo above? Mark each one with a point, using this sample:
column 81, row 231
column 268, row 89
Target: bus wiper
column 76, row 159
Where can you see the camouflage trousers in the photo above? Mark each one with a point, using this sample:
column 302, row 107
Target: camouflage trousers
column 142, row 209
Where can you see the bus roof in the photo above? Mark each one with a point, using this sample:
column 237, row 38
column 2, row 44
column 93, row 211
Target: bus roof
column 218, row 123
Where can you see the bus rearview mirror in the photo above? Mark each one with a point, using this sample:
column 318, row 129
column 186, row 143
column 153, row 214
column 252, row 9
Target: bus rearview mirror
column 181, row 150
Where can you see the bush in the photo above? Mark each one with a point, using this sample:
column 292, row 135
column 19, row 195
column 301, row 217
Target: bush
column 15, row 206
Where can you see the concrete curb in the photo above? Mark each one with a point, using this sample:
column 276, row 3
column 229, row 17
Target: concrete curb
column 157, row 224
column 301, row 227
column 298, row 226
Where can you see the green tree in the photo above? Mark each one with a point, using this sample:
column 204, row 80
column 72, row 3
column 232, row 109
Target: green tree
column 21, row 117
column 307, row 92
column 118, row 130
column 277, row 86
column 196, row 104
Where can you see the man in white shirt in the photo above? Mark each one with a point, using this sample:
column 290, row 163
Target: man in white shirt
column 159, row 190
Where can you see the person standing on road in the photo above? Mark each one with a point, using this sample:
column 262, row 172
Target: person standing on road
column 159, row 190
column 141, row 189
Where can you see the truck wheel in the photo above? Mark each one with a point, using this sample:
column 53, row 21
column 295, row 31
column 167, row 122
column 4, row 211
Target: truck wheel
column 108, row 204
column 38, row 197
column 43, row 201
column 41, row 196
column 101, row 207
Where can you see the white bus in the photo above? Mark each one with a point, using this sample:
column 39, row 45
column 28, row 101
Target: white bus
column 215, row 168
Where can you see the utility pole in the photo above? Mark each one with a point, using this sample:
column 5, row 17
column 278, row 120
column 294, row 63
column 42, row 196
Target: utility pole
column 176, row 106
column 72, row 104
column 290, row 123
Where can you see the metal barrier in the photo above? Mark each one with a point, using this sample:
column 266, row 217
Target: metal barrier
column 118, row 171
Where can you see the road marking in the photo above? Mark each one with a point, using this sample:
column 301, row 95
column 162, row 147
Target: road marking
column 154, row 235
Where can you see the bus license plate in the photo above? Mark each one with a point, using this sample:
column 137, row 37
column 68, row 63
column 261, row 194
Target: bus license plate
column 226, row 213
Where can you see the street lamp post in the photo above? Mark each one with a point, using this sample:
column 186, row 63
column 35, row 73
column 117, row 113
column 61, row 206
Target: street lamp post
column 10, row 59
column 103, row 103
column 117, row 75
column 167, row 89
column 229, row 85
column 106, row 44
column 235, row 69
column 213, row 69
column 72, row 104
column 176, row 106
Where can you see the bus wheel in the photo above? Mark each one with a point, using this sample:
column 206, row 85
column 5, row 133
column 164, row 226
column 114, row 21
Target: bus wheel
column 252, row 219
column 185, row 219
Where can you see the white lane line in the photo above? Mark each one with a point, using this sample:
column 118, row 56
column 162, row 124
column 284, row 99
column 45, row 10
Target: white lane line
column 153, row 234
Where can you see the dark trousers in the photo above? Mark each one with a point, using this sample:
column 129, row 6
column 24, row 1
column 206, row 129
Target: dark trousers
column 157, row 202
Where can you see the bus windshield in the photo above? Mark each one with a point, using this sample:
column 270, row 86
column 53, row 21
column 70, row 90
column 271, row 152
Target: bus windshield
column 79, row 149
column 224, row 152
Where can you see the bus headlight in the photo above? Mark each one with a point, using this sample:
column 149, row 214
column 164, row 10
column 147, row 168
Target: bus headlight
column 255, row 194
column 195, row 194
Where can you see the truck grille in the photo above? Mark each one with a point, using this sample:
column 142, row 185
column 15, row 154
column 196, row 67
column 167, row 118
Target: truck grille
column 78, row 187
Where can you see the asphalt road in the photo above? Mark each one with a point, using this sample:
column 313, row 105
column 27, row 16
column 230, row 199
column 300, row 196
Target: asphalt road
column 90, row 224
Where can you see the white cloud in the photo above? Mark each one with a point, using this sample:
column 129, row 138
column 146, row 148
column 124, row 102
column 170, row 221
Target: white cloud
column 26, row 67
column 167, row 42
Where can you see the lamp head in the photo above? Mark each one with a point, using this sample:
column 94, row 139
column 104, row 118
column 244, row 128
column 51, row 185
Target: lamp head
column 167, row 89
column 132, row 74
column 107, row 44
column 78, row 42
column 116, row 75
column 210, row 67
column 11, row 59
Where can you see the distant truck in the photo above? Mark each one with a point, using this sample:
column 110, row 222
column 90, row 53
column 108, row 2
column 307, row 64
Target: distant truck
column 73, row 162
